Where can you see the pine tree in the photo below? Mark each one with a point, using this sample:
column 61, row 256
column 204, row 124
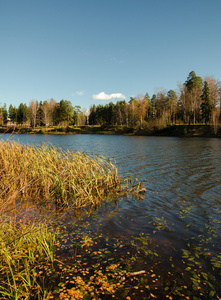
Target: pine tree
column 39, row 115
column 206, row 103
column 12, row 112
column 22, row 114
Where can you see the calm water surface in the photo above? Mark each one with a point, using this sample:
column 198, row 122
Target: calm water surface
column 182, row 206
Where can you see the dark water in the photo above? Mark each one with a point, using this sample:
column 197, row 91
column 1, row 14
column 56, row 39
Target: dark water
column 181, row 209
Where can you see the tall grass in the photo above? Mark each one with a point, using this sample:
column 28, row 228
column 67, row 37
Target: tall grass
column 25, row 250
column 39, row 175
column 47, row 173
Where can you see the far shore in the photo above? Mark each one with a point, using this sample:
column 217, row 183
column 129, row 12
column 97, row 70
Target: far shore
column 170, row 130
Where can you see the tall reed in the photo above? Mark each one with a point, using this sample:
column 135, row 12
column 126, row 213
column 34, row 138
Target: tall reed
column 48, row 173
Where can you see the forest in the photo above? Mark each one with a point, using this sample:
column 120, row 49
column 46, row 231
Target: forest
column 197, row 101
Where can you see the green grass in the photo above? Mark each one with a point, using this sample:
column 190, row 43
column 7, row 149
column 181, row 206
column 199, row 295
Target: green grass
column 25, row 250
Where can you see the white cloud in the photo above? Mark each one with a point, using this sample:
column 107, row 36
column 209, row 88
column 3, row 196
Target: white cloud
column 78, row 93
column 103, row 96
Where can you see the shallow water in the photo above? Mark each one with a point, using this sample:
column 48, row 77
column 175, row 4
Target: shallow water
column 180, row 212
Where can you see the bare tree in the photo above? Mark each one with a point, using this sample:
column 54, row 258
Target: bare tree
column 33, row 108
column 142, row 108
column 46, row 113
column 184, row 102
column 161, row 104
column 52, row 108
column 86, row 113
column 219, row 98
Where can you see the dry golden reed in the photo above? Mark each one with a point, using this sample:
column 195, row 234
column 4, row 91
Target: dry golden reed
column 47, row 173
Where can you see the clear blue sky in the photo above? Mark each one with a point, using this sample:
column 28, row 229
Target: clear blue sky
column 97, row 51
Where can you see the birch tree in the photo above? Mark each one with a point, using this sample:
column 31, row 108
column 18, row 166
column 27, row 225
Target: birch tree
column 33, row 108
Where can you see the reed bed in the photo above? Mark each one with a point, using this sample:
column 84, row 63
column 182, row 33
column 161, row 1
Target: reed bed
column 32, row 177
column 47, row 173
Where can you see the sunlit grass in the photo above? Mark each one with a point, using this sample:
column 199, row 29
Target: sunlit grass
column 25, row 249
column 39, row 175
column 47, row 173
column 31, row 177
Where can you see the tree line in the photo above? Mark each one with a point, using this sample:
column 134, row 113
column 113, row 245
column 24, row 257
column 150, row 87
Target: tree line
column 195, row 101
column 47, row 113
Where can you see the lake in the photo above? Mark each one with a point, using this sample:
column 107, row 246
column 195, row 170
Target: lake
column 179, row 215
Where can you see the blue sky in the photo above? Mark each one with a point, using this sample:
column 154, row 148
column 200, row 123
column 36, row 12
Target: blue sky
column 94, row 52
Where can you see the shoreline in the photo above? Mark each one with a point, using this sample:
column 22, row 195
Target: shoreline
column 171, row 130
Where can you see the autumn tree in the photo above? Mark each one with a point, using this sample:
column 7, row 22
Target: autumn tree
column 46, row 116
column 52, row 108
column 33, row 109
column 219, row 97
column 172, row 105
column 184, row 104
column 142, row 109
column 214, row 97
column 160, row 104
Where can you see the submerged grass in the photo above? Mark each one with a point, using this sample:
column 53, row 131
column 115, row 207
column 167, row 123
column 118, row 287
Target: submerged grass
column 25, row 249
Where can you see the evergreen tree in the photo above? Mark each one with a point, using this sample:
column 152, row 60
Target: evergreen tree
column 77, row 116
column 22, row 114
column 61, row 112
column 12, row 113
column 110, row 113
column 39, row 116
column 92, row 115
column 193, row 81
column 4, row 113
column 65, row 112
column 70, row 112
column 153, row 103
column 206, row 103
column 194, row 89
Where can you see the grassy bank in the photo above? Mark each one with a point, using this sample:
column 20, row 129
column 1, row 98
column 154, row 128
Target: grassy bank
column 150, row 130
